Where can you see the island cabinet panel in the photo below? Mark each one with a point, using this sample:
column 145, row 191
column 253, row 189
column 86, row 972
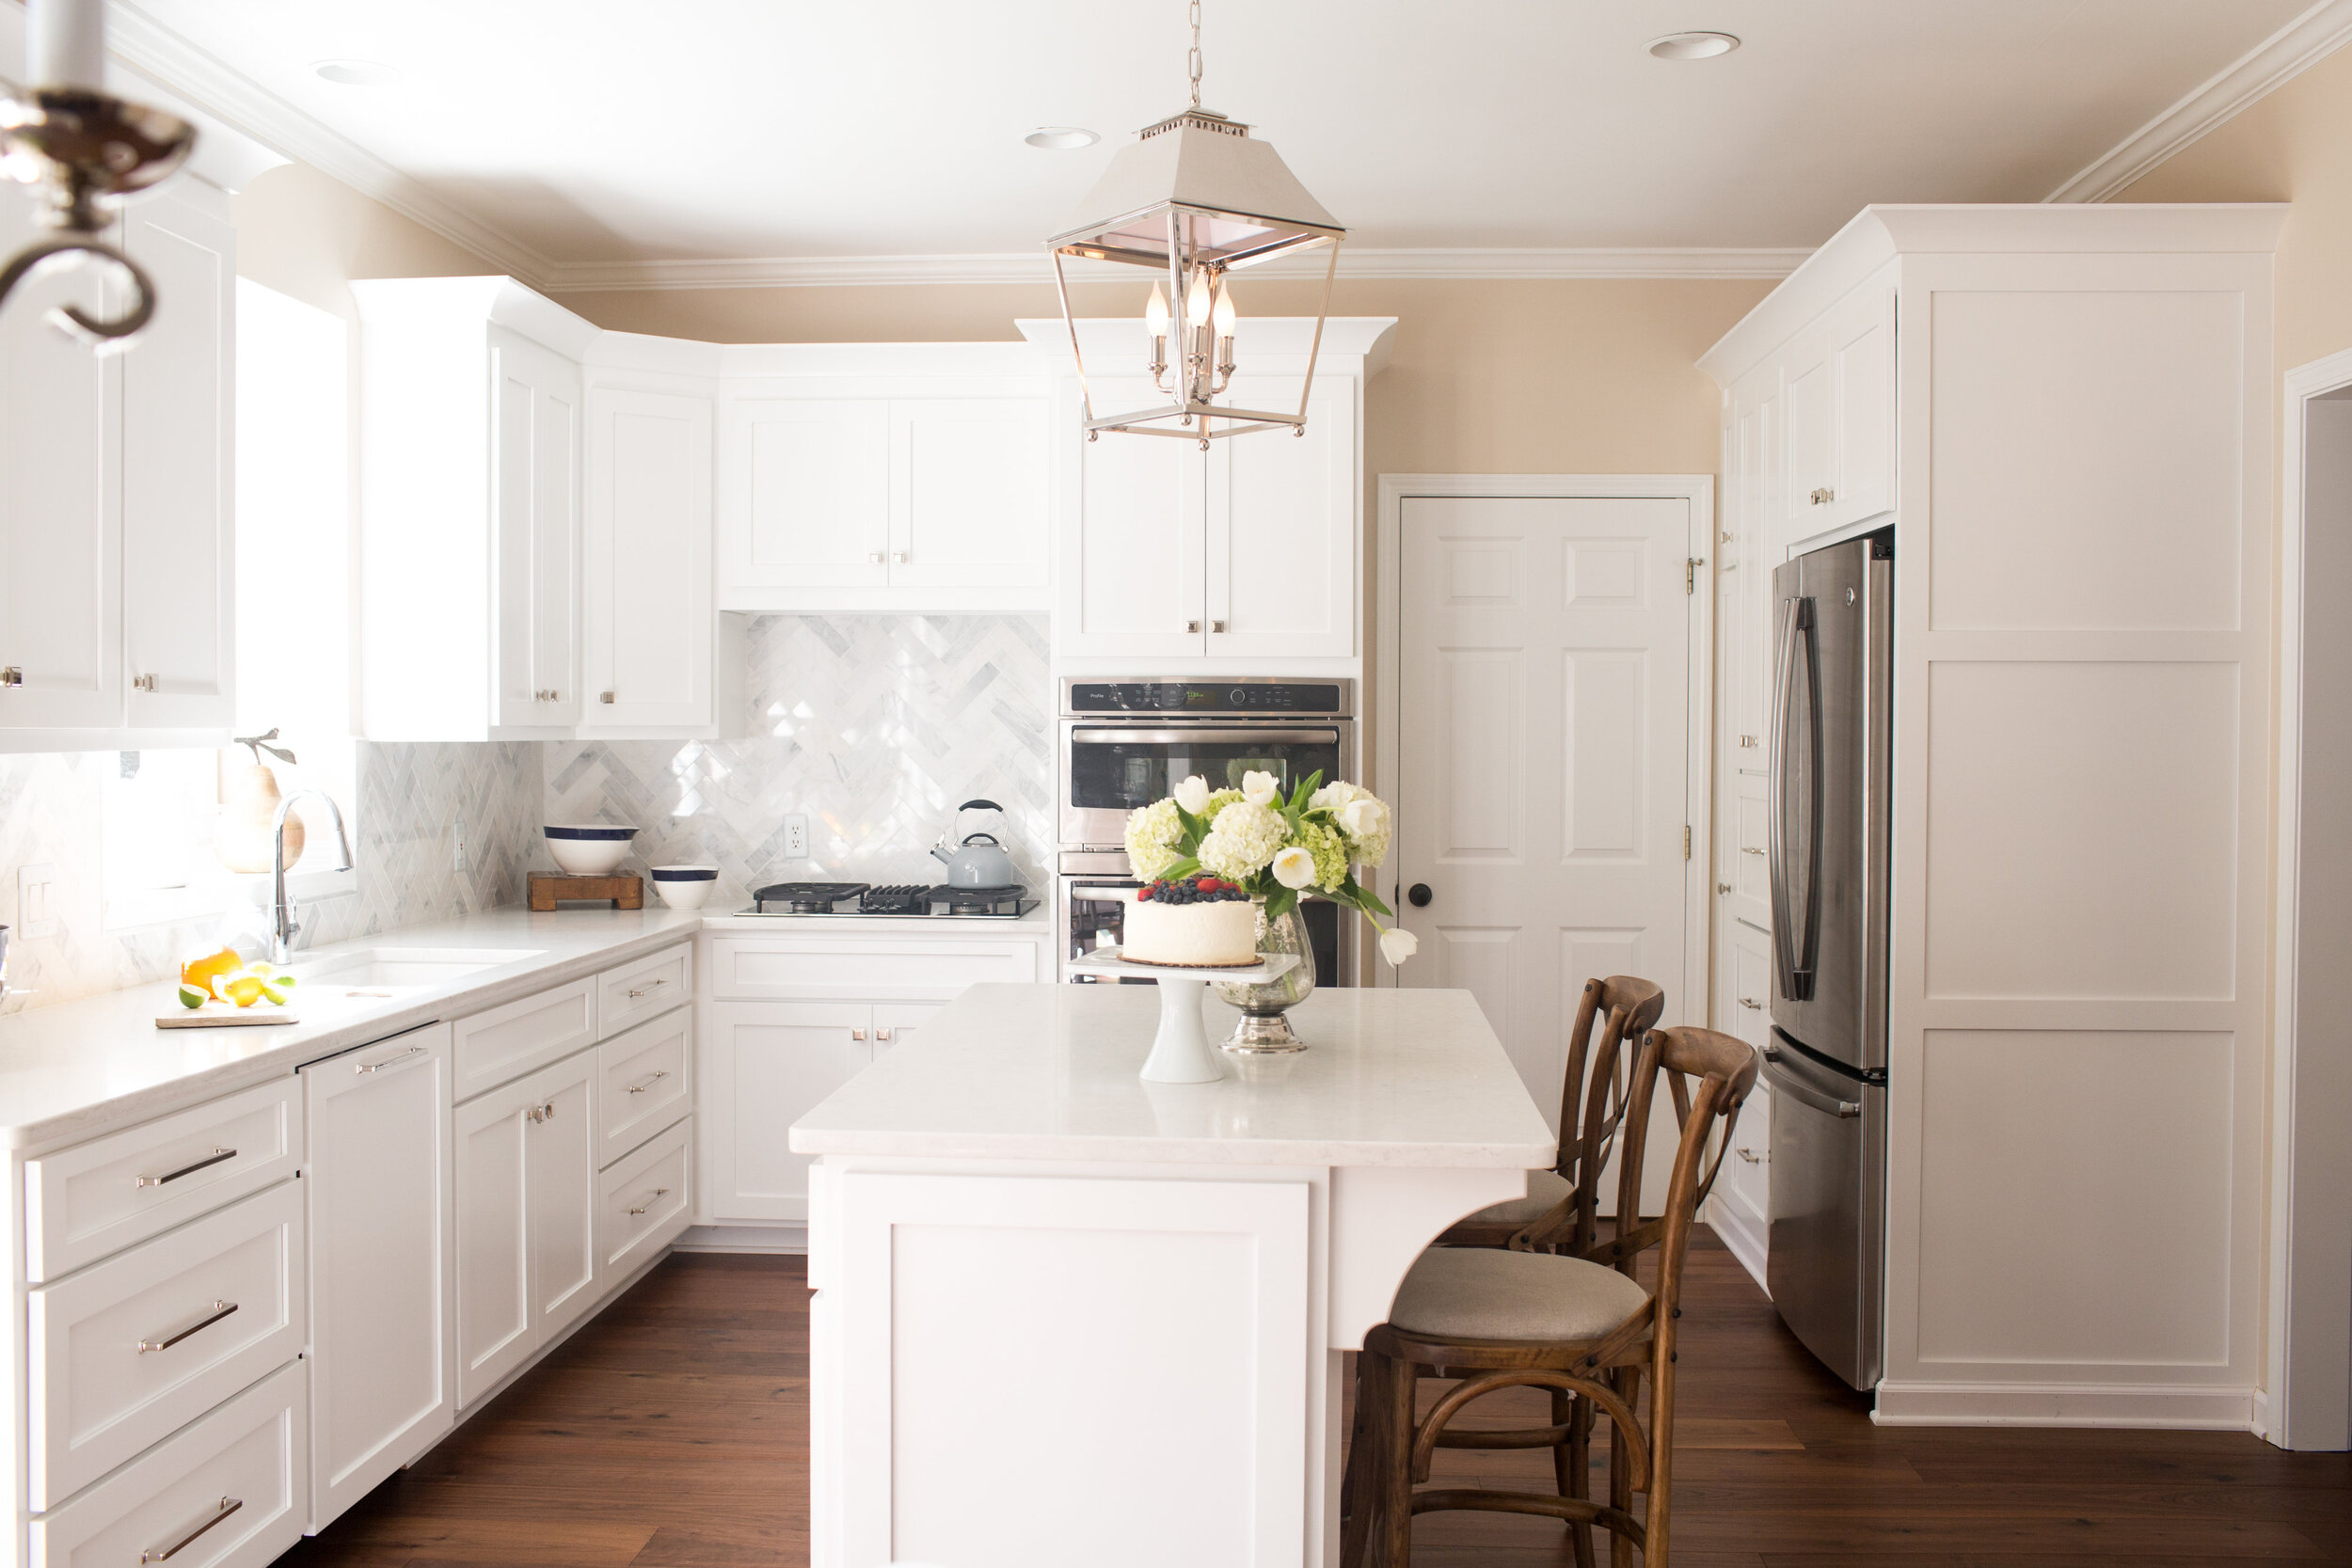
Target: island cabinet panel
column 1188, row 1299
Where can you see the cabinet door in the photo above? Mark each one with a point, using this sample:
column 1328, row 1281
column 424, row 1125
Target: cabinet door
column 534, row 453
column 895, row 1022
column 806, row 492
column 770, row 1064
column 1861, row 343
column 1281, row 528
column 967, row 493
column 381, row 1389
column 1812, row 378
column 179, row 400
column 61, row 505
column 1132, row 541
column 560, row 1175
column 646, row 625
column 497, row 1329
column 1751, row 984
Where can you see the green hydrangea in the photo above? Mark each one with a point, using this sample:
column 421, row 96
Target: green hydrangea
column 1241, row 841
column 1219, row 800
column 1155, row 839
column 1329, row 849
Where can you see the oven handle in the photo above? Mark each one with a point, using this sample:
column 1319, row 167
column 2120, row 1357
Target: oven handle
column 1205, row 735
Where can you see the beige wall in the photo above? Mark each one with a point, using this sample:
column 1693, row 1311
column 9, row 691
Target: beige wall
column 306, row 234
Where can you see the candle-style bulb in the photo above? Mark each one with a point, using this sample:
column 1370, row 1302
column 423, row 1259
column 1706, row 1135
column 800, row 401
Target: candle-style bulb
column 1224, row 313
column 1196, row 300
column 1156, row 313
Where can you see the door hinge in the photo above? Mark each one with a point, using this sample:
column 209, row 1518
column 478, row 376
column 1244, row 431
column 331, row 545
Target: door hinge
column 1690, row 573
column 1686, row 841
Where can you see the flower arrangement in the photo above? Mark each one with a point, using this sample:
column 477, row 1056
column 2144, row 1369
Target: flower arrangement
column 1273, row 848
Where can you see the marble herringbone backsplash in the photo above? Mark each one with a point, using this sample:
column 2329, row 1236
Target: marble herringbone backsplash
column 874, row 726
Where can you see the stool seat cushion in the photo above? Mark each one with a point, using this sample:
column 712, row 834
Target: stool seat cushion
column 1545, row 1189
column 1481, row 1293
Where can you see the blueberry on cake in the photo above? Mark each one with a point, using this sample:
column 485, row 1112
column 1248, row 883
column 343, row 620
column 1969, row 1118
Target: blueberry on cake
column 1197, row 923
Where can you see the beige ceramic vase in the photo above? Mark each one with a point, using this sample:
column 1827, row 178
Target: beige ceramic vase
column 241, row 839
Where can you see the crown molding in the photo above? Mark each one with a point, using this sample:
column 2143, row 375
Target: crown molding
column 1034, row 266
column 236, row 99
column 2294, row 49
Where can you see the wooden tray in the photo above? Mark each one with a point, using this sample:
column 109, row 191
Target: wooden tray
column 259, row 1015
column 547, row 889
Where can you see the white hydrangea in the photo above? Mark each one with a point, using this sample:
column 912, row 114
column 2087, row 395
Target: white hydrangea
column 1242, row 841
column 1155, row 839
column 1362, row 818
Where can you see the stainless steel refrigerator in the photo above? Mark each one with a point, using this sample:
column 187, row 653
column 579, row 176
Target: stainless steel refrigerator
column 1826, row 1060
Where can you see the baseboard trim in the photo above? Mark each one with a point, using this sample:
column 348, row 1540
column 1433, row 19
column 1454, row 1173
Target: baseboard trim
column 743, row 1238
column 1743, row 1233
column 2081, row 1404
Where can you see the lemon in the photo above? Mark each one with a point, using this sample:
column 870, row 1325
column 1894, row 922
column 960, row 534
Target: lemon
column 278, row 989
column 243, row 990
column 193, row 996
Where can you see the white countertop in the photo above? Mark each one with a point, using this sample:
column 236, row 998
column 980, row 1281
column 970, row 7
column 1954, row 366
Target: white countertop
column 1389, row 1077
column 83, row 1067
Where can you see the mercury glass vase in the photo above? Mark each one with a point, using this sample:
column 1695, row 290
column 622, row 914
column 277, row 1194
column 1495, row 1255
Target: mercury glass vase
column 1262, row 1029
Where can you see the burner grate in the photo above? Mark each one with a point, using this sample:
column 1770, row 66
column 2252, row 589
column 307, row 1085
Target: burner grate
column 805, row 897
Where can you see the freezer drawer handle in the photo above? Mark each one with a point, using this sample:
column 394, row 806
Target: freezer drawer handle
column 165, row 1554
column 219, row 1310
column 1844, row 1110
column 214, row 1158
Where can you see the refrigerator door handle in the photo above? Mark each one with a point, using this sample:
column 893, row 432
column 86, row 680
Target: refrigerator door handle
column 1804, row 1094
column 1796, row 966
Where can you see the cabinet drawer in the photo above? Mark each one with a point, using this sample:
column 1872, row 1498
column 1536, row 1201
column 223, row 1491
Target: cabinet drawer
column 639, row 990
column 644, row 1084
column 644, row 1202
column 224, row 1494
column 760, row 969
column 98, row 1198
column 503, row 1044
column 128, row 1351
column 1748, row 1167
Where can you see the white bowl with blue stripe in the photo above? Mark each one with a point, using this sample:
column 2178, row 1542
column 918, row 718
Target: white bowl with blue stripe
column 588, row 849
column 685, row 887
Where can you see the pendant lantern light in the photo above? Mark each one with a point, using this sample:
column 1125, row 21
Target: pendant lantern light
column 85, row 151
column 1194, row 198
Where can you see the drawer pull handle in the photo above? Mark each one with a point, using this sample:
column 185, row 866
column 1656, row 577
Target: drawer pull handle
column 1747, row 849
column 645, row 989
column 1751, row 1156
column 165, row 1554
column 1750, row 1003
column 542, row 1113
column 214, row 1158
column 641, row 1088
column 659, row 1193
column 219, row 1310
column 392, row 1060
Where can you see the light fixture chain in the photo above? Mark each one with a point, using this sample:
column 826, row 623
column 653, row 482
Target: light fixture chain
column 1192, row 58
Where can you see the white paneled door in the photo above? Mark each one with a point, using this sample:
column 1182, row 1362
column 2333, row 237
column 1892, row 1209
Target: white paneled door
column 1545, row 695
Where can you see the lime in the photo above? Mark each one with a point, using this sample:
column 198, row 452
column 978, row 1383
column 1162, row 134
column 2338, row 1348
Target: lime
column 193, row 996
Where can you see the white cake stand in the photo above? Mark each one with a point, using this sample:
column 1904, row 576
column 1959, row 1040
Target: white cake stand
column 1181, row 1053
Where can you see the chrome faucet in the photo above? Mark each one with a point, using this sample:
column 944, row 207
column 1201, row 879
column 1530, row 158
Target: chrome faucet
column 283, row 927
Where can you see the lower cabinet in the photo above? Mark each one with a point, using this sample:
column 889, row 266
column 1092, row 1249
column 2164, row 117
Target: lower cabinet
column 770, row 1064
column 526, row 1175
column 1741, row 1206
column 382, row 1382
column 644, row 1201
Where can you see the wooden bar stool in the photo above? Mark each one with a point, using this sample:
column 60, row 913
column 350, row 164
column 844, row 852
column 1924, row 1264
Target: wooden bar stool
column 1583, row 1328
column 1626, row 1008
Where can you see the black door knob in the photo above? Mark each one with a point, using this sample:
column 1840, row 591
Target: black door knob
column 1420, row 894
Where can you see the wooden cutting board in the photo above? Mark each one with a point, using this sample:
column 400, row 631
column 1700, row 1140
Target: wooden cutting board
column 254, row 1017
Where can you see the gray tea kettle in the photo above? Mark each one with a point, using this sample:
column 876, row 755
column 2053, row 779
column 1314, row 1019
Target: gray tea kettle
column 978, row 860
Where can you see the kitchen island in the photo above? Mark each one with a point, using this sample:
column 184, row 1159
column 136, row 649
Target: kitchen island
column 1064, row 1317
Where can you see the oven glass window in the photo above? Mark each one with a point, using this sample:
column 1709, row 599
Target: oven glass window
column 1105, row 776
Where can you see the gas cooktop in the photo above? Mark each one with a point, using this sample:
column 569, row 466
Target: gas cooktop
column 850, row 900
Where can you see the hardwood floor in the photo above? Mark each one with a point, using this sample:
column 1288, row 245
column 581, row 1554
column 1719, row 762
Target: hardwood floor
column 674, row 1431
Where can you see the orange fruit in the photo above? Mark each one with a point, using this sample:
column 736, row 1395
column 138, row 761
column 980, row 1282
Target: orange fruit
column 200, row 973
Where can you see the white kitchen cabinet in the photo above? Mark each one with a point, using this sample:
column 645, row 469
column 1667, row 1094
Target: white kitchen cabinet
column 810, row 492
column 769, row 1064
column 967, row 493
column 1245, row 552
column 468, row 577
column 1841, row 414
column 382, row 1389
column 895, row 1022
column 644, row 1202
column 526, row 1191
column 648, row 642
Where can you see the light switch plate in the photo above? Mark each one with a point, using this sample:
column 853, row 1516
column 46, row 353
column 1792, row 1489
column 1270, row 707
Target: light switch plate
column 37, row 901
column 796, row 836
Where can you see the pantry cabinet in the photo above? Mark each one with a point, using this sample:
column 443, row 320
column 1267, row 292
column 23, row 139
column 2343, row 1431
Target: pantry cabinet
column 1248, row 552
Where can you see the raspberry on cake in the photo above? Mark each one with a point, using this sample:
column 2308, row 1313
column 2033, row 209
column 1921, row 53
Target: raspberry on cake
column 1194, row 923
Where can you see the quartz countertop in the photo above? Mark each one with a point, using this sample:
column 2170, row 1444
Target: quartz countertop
column 1390, row 1077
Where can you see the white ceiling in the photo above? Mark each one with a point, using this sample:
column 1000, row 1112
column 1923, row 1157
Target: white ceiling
column 590, row 131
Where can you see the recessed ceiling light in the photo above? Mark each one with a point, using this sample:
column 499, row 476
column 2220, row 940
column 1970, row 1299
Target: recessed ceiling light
column 1692, row 46
column 357, row 73
column 1061, row 139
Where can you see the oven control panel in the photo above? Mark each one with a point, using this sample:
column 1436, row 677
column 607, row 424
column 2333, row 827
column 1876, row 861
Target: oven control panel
column 1209, row 698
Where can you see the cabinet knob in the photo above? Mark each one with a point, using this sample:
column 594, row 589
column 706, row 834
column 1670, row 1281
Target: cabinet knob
column 882, row 1034
column 604, row 696
column 1722, row 887
column 1218, row 626
column 1822, row 498
column 11, row 677
column 902, row 557
column 1748, row 742
column 143, row 683
column 857, row 1034
column 1192, row 625
column 875, row 558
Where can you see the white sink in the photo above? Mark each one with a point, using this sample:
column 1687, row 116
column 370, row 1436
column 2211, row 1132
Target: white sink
column 390, row 969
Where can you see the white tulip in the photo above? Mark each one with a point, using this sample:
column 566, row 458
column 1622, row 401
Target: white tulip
column 1363, row 817
column 1334, row 794
column 1295, row 868
column 1193, row 794
column 1398, row 944
column 1261, row 789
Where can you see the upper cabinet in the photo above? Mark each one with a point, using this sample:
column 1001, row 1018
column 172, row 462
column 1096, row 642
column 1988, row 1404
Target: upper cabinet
column 645, row 609
column 883, row 477
column 1247, row 552
column 116, row 518
column 534, row 502
column 1841, row 414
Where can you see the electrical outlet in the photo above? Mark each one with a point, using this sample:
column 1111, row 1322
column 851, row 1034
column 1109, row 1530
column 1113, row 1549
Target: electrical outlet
column 796, row 836
column 37, row 901
column 459, row 862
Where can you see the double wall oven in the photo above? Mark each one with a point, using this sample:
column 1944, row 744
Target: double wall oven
column 1127, row 743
